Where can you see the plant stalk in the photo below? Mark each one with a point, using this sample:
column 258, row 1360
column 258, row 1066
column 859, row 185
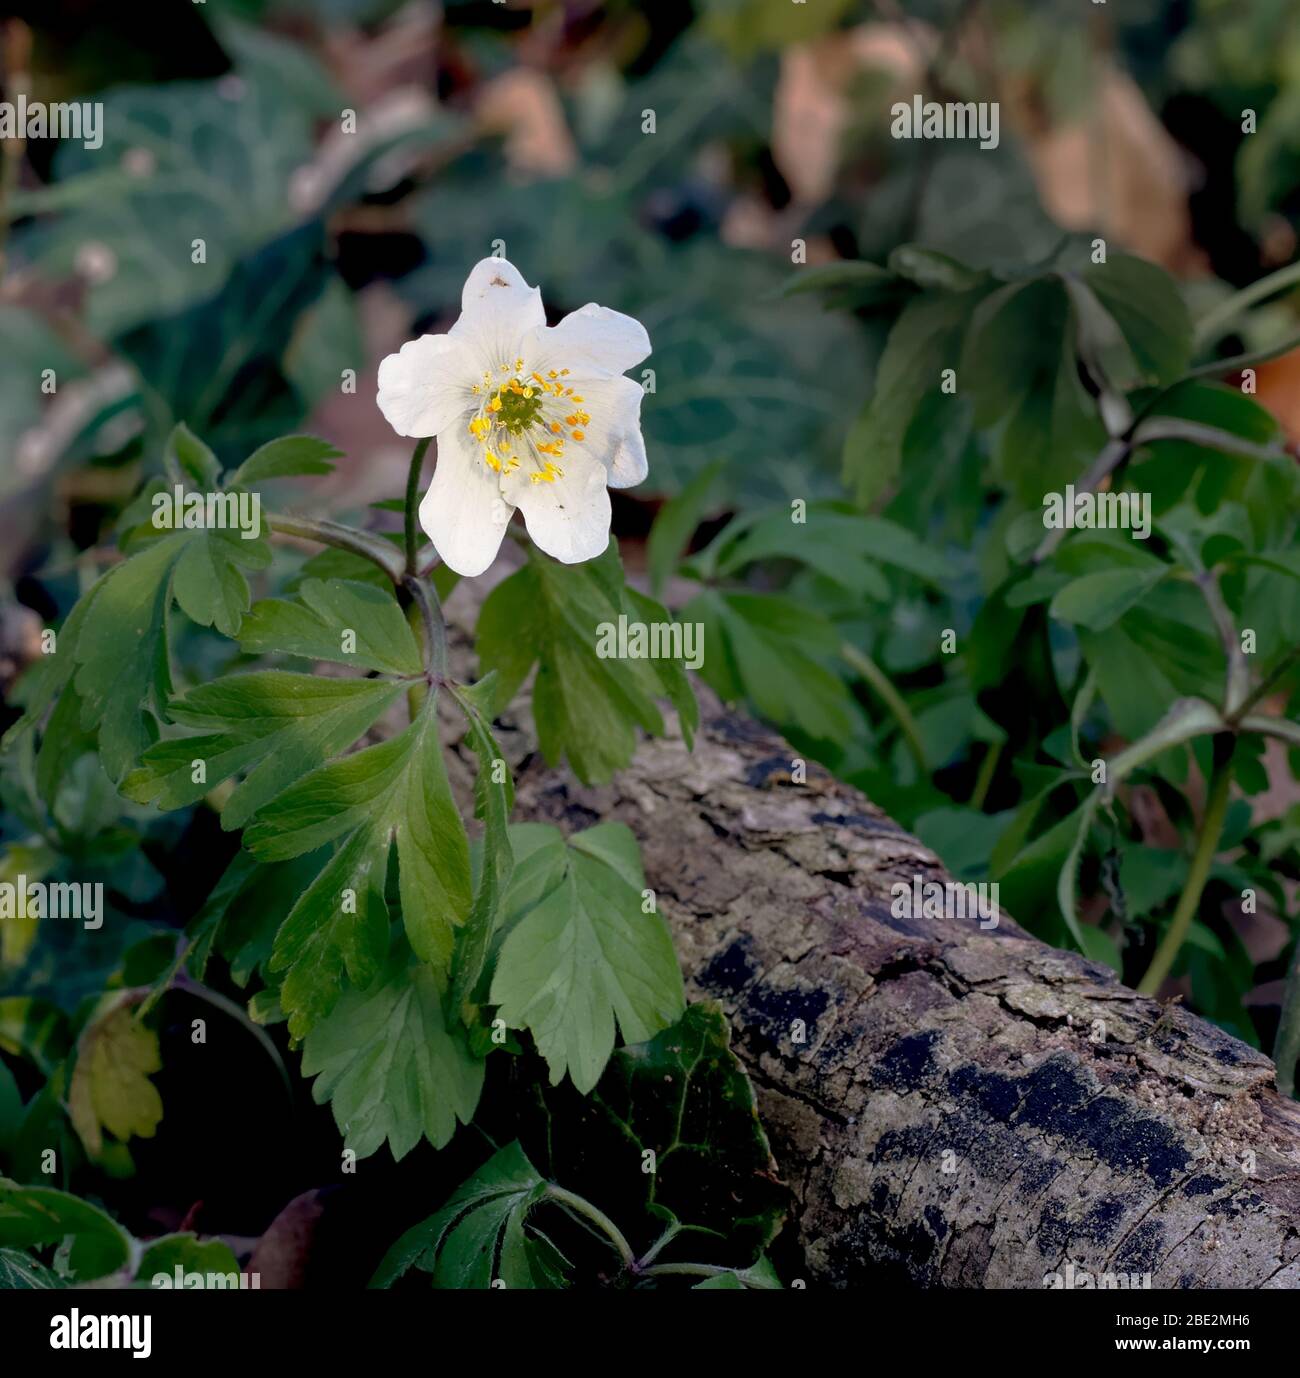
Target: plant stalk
column 412, row 494
column 1226, row 312
column 580, row 1206
column 1207, row 844
column 368, row 547
column 893, row 700
column 425, row 598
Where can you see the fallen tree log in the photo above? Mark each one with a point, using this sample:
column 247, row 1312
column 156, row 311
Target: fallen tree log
column 967, row 1108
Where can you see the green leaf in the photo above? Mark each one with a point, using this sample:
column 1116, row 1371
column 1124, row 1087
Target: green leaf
column 1148, row 307
column 842, row 545
column 290, row 455
column 585, row 706
column 123, row 676
column 119, row 641
column 386, row 1061
column 721, row 1282
column 32, row 1217
column 676, row 523
column 494, row 795
column 188, row 457
column 209, row 582
column 757, row 650
column 585, row 957
column 1159, row 652
column 1019, row 362
column 934, row 271
column 850, row 284
column 211, row 1258
column 395, row 793
column 925, row 339
column 110, row 1088
column 336, row 620
column 21, row 1273
column 482, row 1234
column 1097, row 600
column 34, row 1028
column 47, row 679
column 274, row 725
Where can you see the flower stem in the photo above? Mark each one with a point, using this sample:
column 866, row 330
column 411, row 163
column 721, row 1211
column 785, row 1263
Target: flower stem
column 603, row 1223
column 378, row 552
column 412, row 494
column 1207, row 843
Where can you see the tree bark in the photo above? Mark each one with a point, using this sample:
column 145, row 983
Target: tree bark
column 968, row 1108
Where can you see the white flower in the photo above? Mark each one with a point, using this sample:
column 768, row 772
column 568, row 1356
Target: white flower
column 527, row 415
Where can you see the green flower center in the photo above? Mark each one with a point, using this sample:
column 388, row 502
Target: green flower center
column 519, row 410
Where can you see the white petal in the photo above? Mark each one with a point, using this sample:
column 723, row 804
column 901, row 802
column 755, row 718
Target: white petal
column 591, row 338
column 568, row 519
column 424, row 387
column 497, row 309
column 463, row 512
column 613, row 435
column 628, row 464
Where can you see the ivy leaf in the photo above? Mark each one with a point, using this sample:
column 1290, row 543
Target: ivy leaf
column 685, row 1097
column 205, row 141
column 289, row 456
column 32, row 1217
column 387, row 1062
column 586, row 706
column 392, row 793
column 110, row 1087
column 482, row 1234
column 274, row 725
column 585, row 957
column 336, row 620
